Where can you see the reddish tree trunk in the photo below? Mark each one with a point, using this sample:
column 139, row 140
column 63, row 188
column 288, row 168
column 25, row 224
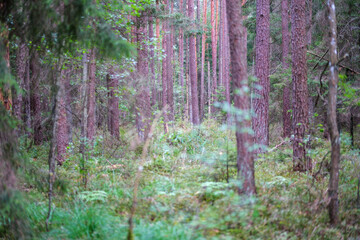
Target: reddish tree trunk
column 69, row 102
column 333, row 129
column 237, row 37
column 181, row 58
column 227, row 63
column 35, row 98
column 209, row 89
column 221, row 44
column 262, row 70
column 21, row 65
column 27, row 118
column 309, row 22
column 143, row 108
column 202, row 88
column 285, row 54
column 152, row 63
column 300, row 90
column 165, row 73
column 91, row 126
column 192, row 70
column 169, row 65
column 214, row 53
column 62, row 137
column 113, row 103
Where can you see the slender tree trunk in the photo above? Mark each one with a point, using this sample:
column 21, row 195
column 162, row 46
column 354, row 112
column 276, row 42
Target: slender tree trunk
column 62, row 138
column 203, row 42
column 69, row 104
column 334, row 133
column 285, row 53
column 181, row 58
column 209, row 90
column 300, row 90
column 214, row 53
column 143, row 109
column 262, row 70
column 35, row 98
column 21, row 65
column 113, row 103
column 192, row 70
column 84, row 118
column 227, row 63
column 152, row 62
column 169, row 65
column 26, row 99
column 237, row 36
column 91, row 127
column 165, row 73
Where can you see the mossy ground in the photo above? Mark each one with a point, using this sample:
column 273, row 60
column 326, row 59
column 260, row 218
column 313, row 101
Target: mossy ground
column 184, row 191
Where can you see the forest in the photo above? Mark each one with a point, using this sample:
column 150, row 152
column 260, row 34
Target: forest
column 179, row 119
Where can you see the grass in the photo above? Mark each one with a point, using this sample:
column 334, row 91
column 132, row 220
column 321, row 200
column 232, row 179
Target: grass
column 184, row 192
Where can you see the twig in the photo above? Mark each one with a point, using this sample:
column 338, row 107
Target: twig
column 138, row 174
column 321, row 59
column 341, row 65
column 280, row 144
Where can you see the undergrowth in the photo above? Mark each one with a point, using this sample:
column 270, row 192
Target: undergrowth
column 188, row 191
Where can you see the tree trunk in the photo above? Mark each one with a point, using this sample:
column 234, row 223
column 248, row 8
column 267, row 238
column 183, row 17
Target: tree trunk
column 334, row 133
column 26, row 100
column 209, row 90
column 69, row 103
column 300, row 90
column 192, row 70
column 262, row 70
column 165, row 73
column 181, row 58
column 227, row 64
column 285, row 53
column 237, row 37
column 152, row 62
column 214, row 54
column 202, row 88
column 62, row 138
column 169, row 65
column 113, row 103
column 91, row 127
column 21, row 67
column 143, row 108
column 309, row 22
column 35, row 98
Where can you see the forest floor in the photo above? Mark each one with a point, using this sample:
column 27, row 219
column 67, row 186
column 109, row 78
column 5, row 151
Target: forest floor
column 188, row 190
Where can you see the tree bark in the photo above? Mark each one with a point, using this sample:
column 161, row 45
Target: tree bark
column 214, row 54
column 181, row 58
column 165, row 73
column 333, row 129
column 227, row 64
column 35, row 98
column 237, row 37
column 309, row 22
column 152, row 61
column 192, row 70
column 21, row 67
column 143, row 108
column 62, row 138
column 169, row 65
column 300, row 90
column 285, row 53
column 203, row 41
column 262, row 70
column 91, row 127
column 113, row 103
